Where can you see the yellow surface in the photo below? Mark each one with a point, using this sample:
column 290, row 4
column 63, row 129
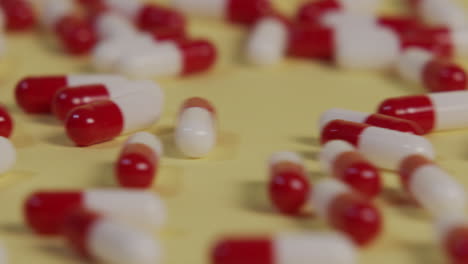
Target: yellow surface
column 260, row 111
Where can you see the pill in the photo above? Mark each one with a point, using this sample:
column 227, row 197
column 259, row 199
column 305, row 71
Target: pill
column 385, row 148
column 433, row 112
column 452, row 41
column 434, row 73
column 195, row 132
column 439, row 45
column 8, row 157
column 35, row 94
column 110, row 25
column 76, row 34
column 452, row 235
column 311, row 11
column 235, row 11
column 438, row 12
column 285, row 248
column 148, row 16
column 101, row 121
column 3, row 254
column 432, row 187
column 45, row 211
column 377, row 120
column 138, row 161
column 19, row 14
column 6, row 122
column 289, row 185
column 101, row 238
column 169, row 58
column 340, row 159
column 68, row 98
column 346, row 211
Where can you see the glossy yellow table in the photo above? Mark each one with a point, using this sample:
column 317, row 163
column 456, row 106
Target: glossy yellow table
column 260, row 111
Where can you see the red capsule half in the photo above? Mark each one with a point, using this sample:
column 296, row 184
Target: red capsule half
column 76, row 34
column 20, row 15
column 6, row 122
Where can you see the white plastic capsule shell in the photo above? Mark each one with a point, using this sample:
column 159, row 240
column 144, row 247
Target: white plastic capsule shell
column 8, row 155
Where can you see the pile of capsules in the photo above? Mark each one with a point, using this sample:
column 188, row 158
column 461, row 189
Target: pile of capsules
column 135, row 39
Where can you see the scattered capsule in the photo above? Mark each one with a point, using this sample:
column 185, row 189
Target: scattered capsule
column 377, row 120
column 195, row 133
column 435, row 74
column 437, row 12
column 104, row 239
column 347, row 211
column 138, row 161
column 19, row 14
column 433, row 112
column 110, row 25
column 6, row 122
column 68, row 98
column 169, row 58
column 452, row 234
column 8, row 155
column 35, row 94
column 102, row 121
column 432, row 187
column 76, row 34
column 285, row 248
column 236, row 11
column 340, row 159
column 450, row 41
column 289, row 185
column 46, row 211
column 383, row 147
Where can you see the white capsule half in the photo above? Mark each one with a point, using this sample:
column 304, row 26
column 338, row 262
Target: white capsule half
column 3, row 254
column 148, row 139
column 411, row 64
column 7, row 156
column 111, row 25
column 325, row 191
column 330, row 151
column 443, row 12
column 54, row 10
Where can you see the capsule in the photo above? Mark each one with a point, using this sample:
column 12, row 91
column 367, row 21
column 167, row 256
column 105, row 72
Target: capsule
column 76, row 34
column 446, row 13
column 285, row 248
column 311, row 11
column 377, row 120
column 8, row 155
column 432, row 187
column 340, row 159
column 385, row 148
column 433, row 112
column 3, row 254
column 243, row 12
column 6, row 122
column 110, row 25
column 45, row 211
column 289, row 185
column 19, row 15
column 102, row 121
column 138, row 161
column 68, row 98
column 195, row 133
column 35, row 94
column 98, row 237
column 347, row 211
column 452, row 235
column 169, row 58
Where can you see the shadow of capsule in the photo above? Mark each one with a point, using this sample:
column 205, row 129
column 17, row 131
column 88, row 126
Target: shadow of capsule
column 403, row 203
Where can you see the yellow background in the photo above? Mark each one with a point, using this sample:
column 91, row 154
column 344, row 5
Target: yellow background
column 260, row 111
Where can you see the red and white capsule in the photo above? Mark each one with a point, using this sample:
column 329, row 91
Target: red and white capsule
column 377, row 120
column 68, row 98
column 169, row 58
column 8, row 157
column 138, row 161
column 340, row 159
column 111, row 25
column 383, row 147
column 452, row 235
column 102, row 238
column 76, row 34
column 35, row 94
column 446, row 13
column 196, row 128
column 6, row 122
column 347, row 211
column 45, row 211
column 435, row 74
column 235, row 11
column 433, row 112
column 289, row 185
column 105, row 120
column 285, row 248
column 432, row 187
column 19, row 15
